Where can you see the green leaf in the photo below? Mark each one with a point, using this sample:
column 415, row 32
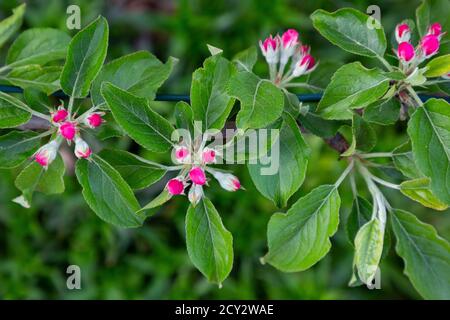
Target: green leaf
column 210, row 100
column 419, row 190
column 363, row 133
column 300, row 238
column 85, row 57
column 429, row 130
column 139, row 73
column 13, row 112
column 439, row 66
column 38, row 46
column 140, row 122
column 11, row 24
column 35, row 178
column 431, row 11
column 348, row 29
column 246, row 60
column 261, row 101
column 319, row 126
column 139, row 173
column 368, row 250
column 426, row 255
column 107, row 193
column 209, row 244
column 16, row 147
column 292, row 162
column 404, row 161
column 37, row 100
column 344, row 93
column 184, row 117
column 159, row 200
column 383, row 112
column 45, row 79
column 360, row 214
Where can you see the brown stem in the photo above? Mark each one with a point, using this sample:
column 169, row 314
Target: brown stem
column 35, row 123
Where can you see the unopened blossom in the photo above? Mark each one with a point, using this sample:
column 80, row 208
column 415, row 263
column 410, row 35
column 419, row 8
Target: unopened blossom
column 429, row 45
column 306, row 65
column 289, row 41
column 197, row 176
column 208, row 156
column 175, row 186
column 435, row 29
column 182, row 154
column 227, row 181
column 46, row 154
column 82, row 149
column 59, row 115
column 402, row 33
column 68, row 130
column 195, row 194
column 270, row 49
column 94, row 120
column 405, row 52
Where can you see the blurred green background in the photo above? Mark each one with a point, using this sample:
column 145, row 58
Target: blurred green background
column 37, row 244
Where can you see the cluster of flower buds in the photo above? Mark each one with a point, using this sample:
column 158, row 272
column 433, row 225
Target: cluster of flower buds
column 410, row 56
column 68, row 129
column 279, row 50
column 194, row 170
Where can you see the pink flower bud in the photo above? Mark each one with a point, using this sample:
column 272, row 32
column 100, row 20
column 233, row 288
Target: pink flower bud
column 182, row 154
column 446, row 76
column 94, row 120
column 197, row 176
column 227, row 181
column 46, row 154
column 82, row 149
column 402, row 33
column 429, row 45
column 195, row 194
column 306, row 65
column 59, row 115
column 68, row 130
column 435, row 29
column 405, row 52
column 270, row 49
column 209, row 155
column 304, row 50
column 175, row 186
column 289, row 38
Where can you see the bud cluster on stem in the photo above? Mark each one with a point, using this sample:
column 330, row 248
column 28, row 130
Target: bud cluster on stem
column 68, row 128
column 279, row 50
column 408, row 55
column 195, row 159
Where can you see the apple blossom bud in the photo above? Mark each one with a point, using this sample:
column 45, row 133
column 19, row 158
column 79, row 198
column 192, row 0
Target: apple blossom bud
column 209, row 155
column 289, row 38
column 435, row 29
column 289, row 41
column 306, row 65
column 182, row 154
column 429, row 45
column 227, row 181
column 59, row 115
column 94, row 120
column 197, row 176
column 68, row 130
column 446, row 76
column 82, row 149
column 175, row 186
column 405, row 52
column 270, row 49
column 195, row 194
column 402, row 33
column 46, row 154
